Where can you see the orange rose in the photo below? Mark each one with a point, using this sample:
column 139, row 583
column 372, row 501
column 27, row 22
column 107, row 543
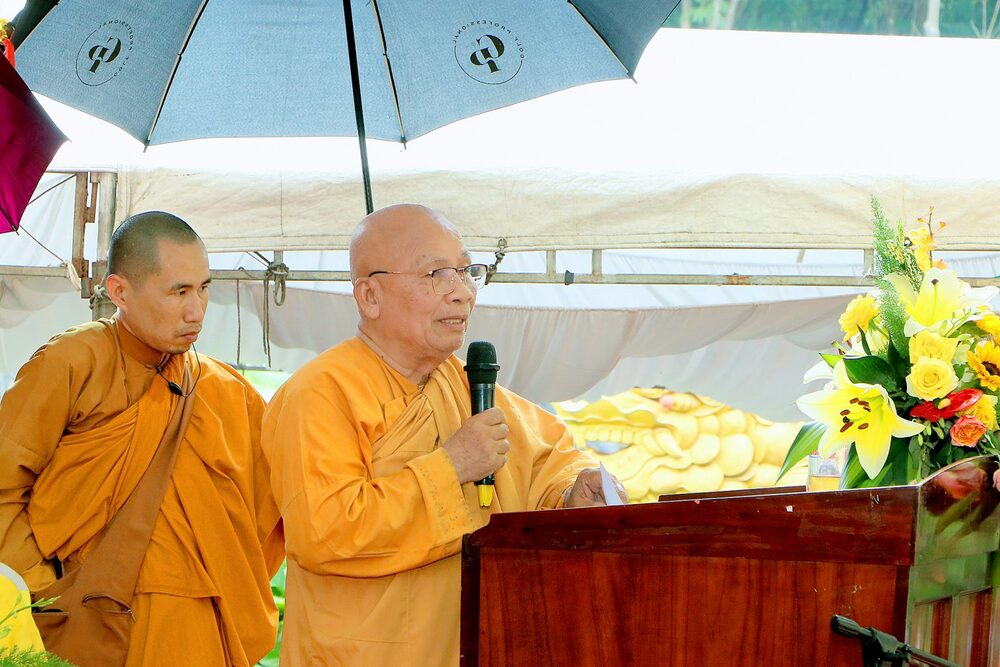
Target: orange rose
column 967, row 431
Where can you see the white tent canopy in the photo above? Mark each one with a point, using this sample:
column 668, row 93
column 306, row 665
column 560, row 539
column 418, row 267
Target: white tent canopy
column 730, row 140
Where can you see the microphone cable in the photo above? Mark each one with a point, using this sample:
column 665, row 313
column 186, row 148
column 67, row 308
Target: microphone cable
column 175, row 388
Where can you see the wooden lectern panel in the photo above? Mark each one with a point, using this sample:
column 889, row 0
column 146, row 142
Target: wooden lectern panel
column 730, row 580
column 629, row 609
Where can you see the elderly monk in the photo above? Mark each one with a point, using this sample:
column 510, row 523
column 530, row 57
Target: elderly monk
column 80, row 424
column 373, row 453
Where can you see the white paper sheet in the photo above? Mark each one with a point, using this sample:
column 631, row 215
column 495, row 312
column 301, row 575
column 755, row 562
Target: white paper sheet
column 611, row 496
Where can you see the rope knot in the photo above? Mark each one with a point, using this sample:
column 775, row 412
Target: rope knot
column 278, row 272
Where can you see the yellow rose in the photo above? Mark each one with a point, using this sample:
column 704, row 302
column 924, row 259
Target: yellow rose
column 927, row 344
column 858, row 315
column 985, row 410
column 990, row 323
column 930, row 379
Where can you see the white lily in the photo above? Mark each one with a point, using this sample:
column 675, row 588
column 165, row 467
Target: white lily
column 821, row 371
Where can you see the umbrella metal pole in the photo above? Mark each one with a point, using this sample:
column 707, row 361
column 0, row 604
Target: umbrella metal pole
column 359, row 114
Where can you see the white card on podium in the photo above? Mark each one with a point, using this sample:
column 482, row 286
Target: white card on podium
column 611, row 496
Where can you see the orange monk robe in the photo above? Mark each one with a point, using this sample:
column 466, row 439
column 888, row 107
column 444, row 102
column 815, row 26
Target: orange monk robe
column 78, row 428
column 373, row 510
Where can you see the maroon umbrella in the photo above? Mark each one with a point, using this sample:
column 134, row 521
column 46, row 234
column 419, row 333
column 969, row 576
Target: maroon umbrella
column 28, row 142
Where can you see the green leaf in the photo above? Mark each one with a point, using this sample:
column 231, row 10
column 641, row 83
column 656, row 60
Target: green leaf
column 871, row 370
column 899, row 462
column 831, row 359
column 853, row 474
column 990, row 441
column 864, row 341
column 896, row 362
column 806, row 442
column 855, row 477
column 881, row 479
column 278, row 582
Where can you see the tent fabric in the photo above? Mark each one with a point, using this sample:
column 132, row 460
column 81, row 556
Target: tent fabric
column 727, row 140
column 543, row 210
column 575, row 349
column 749, row 355
column 744, row 345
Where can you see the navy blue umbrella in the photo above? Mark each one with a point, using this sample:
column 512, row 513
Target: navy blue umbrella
column 173, row 70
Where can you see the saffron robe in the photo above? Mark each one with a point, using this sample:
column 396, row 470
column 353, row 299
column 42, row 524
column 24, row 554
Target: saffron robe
column 77, row 430
column 373, row 510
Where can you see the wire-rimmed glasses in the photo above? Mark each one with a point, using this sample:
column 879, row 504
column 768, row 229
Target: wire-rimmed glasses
column 443, row 280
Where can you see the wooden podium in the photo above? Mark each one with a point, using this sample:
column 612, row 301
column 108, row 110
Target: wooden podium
column 740, row 579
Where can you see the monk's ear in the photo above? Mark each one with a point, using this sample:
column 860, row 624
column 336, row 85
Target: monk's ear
column 369, row 298
column 118, row 290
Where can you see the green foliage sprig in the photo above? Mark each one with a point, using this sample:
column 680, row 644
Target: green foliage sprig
column 16, row 657
column 890, row 257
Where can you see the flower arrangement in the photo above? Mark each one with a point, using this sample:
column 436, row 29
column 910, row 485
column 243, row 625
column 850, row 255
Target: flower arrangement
column 914, row 384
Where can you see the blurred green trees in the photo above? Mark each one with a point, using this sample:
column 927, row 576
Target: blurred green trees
column 955, row 18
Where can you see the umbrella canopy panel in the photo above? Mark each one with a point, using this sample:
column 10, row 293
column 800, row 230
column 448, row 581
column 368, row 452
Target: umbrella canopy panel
column 190, row 69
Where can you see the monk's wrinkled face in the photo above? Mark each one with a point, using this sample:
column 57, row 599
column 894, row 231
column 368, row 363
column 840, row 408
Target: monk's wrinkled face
column 424, row 327
column 165, row 309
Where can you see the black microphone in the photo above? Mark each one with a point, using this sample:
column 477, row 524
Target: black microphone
column 481, row 367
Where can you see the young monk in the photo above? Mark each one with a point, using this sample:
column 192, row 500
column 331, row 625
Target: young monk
column 80, row 425
column 373, row 453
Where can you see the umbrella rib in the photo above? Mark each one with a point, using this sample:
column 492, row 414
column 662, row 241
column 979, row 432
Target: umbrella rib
column 173, row 70
column 600, row 37
column 388, row 67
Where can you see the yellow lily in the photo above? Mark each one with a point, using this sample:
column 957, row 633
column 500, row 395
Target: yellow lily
column 941, row 298
column 862, row 414
column 922, row 243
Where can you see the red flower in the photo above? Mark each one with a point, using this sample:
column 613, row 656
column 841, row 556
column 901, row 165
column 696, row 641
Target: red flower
column 947, row 407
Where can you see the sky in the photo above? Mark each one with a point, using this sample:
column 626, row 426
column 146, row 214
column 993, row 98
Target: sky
column 8, row 8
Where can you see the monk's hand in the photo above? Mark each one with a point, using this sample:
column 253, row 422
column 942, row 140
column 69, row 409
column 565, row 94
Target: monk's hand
column 586, row 490
column 480, row 446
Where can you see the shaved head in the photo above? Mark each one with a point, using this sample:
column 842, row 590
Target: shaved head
column 392, row 238
column 134, row 251
column 413, row 327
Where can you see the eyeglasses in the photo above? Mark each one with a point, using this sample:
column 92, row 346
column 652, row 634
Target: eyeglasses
column 443, row 280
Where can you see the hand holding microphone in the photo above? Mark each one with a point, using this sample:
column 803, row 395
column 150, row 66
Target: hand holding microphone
column 480, row 446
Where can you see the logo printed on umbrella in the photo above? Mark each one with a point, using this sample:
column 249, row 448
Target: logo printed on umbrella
column 104, row 52
column 488, row 51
